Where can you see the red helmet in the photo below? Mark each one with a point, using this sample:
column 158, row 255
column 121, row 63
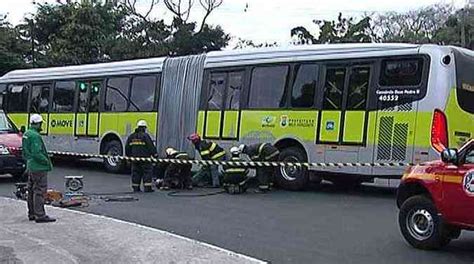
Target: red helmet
column 194, row 138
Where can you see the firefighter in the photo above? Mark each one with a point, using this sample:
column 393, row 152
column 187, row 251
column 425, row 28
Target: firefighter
column 140, row 145
column 235, row 177
column 38, row 164
column 209, row 151
column 262, row 152
column 177, row 175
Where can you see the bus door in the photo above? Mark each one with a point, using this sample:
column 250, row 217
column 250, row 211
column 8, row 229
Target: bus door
column 39, row 103
column 87, row 114
column 343, row 118
column 222, row 118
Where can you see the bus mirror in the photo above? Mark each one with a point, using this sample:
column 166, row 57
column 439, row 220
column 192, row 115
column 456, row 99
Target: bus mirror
column 450, row 156
column 22, row 129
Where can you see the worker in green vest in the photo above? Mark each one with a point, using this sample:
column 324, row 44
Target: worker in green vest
column 38, row 164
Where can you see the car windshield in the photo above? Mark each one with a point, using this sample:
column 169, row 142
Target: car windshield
column 5, row 125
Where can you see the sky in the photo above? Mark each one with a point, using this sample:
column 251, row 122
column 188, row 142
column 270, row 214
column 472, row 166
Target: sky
column 263, row 20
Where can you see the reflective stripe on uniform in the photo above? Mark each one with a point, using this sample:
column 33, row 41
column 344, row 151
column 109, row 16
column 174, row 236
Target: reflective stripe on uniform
column 218, row 155
column 205, row 152
column 261, row 148
column 276, row 153
column 213, row 146
column 148, row 184
column 181, row 155
column 135, row 185
column 235, row 170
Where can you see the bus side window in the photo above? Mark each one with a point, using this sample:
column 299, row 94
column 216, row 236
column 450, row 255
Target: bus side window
column 304, row 88
column 116, row 98
column 40, row 98
column 216, row 91
column 267, row 88
column 142, row 98
column 333, row 88
column 358, row 87
column 63, row 97
column 234, row 89
column 18, row 98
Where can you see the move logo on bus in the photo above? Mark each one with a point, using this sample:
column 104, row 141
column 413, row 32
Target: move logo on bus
column 286, row 121
column 268, row 121
column 61, row 123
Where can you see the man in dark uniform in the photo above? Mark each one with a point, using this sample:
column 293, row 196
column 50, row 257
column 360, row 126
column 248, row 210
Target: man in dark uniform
column 209, row 151
column 235, row 177
column 140, row 145
column 262, row 152
column 177, row 175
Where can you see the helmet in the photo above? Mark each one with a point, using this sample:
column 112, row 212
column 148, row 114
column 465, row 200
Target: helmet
column 194, row 137
column 142, row 123
column 235, row 151
column 171, row 151
column 36, row 119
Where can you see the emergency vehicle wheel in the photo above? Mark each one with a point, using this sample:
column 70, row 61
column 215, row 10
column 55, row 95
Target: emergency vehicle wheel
column 112, row 164
column 292, row 178
column 420, row 224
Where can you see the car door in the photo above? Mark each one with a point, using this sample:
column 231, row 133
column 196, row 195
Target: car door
column 458, row 187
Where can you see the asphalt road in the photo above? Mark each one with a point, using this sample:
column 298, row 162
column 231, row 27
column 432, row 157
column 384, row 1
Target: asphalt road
column 318, row 226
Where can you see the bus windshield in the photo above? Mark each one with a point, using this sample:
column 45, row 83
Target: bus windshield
column 5, row 125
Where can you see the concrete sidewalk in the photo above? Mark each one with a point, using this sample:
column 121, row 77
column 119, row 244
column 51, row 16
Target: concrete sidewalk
column 85, row 238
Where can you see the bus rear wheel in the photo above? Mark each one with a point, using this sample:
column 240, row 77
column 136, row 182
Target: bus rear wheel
column 292, row 178
column 111, row 164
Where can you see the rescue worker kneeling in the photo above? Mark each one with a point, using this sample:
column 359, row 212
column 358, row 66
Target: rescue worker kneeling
column 177, row 176
column 209, row 151
column 140, row 145
column 262, row 152
column 235, row 177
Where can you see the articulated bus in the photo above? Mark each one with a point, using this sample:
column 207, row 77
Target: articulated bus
column 320, row 103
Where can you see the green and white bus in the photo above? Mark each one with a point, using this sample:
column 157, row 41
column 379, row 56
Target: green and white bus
column 320, row 103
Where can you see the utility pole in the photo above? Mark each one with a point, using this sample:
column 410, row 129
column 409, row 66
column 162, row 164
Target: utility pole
column 463, row 27
column 32, row 33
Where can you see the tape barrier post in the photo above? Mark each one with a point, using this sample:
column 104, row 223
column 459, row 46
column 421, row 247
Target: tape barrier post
column 231, row 163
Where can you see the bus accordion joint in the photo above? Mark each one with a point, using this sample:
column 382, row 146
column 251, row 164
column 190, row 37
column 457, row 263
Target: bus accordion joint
column 439, row 131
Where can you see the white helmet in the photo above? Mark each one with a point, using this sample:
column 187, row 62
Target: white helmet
column 36, row 119
column 171, row 151
column 142, row 123
column 235, row 151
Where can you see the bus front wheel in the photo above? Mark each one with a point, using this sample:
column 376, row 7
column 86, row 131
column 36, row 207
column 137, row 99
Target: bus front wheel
column 112, row 164
column 292, row 177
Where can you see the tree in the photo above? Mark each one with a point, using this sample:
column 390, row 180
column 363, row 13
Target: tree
column 344, row 30
column 414, row 26
column 73, row 32
column 244, row 44
column 459, row 29
column 14, row 50
column 181, row 37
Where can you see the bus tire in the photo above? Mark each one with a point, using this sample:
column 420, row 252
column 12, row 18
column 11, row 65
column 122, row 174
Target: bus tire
column 420, row 224
column 292, row 178
column 112, row 148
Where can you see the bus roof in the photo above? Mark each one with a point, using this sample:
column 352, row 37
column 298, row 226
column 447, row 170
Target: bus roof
column 220, row 59
column 141, row 66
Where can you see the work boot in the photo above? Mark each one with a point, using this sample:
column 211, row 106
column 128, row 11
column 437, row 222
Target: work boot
column 148, row 189
column 189, row 187
column 31, row 218
column 136, row 189
column 44, row 219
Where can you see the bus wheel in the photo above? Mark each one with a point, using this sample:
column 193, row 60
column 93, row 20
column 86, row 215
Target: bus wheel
column 292, row 178
column 111, row 164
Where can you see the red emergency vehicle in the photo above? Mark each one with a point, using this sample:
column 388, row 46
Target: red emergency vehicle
column 436, row 199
